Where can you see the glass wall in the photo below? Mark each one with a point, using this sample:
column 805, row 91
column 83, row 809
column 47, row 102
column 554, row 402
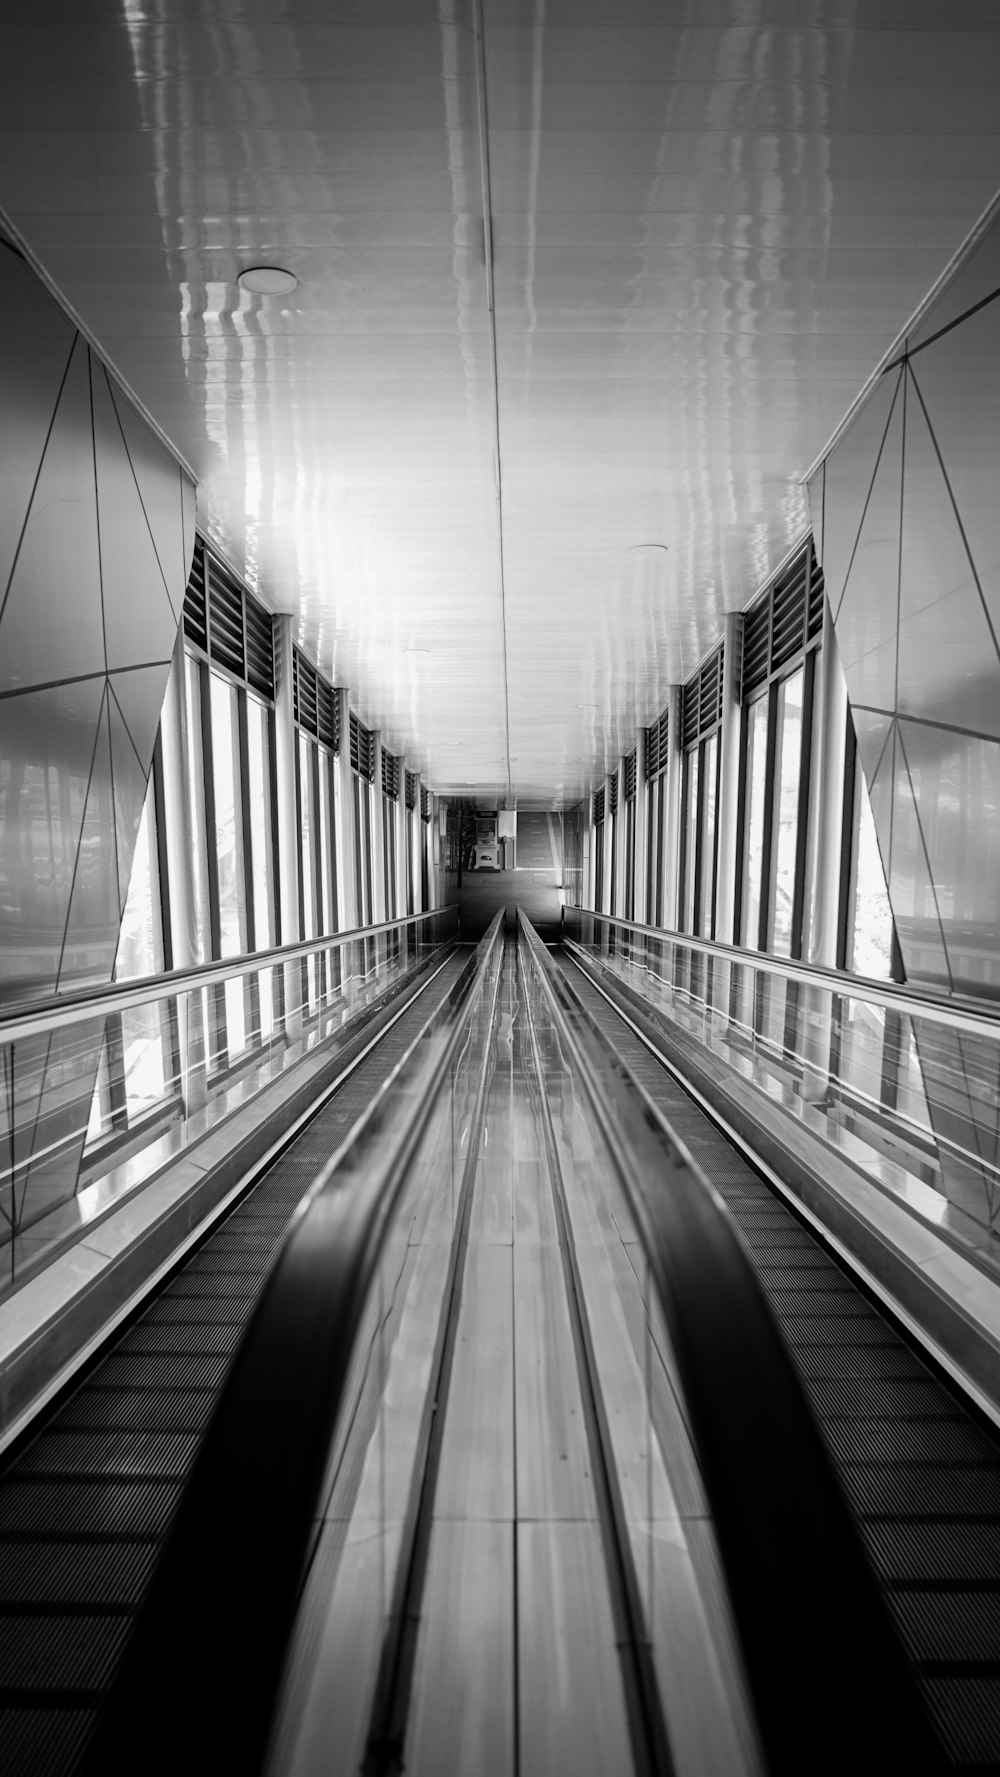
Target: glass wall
column 599, row 863
column 655, row 860
column 756, row 747
column 362, row 847
column 628, row 911
column 689, row 853
column 389, row 854
column 230, row 857
column 194, row 752
column 260, row 806
column 784, row 874
column 778, row 744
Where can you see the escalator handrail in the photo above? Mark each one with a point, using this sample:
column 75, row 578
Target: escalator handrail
column 831, row 1685
column 201, row 1673
column 20, row 1021
column 961, row 1012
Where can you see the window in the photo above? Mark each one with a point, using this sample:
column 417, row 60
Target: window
column 362, row 848
column 389, row 855
column 306, row 784
column 708, row 837
column 598, row 821
column 195, row 762
column 656, row 775
column 701, row 712
column 227, row 797
column 756, row 792
column 785, row 815
column 692, row 762
column 782, row 631
column 630, row 790
column 263, row 904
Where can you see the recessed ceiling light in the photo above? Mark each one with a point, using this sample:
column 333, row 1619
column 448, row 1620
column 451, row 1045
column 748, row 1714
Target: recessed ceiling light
column 267, row 280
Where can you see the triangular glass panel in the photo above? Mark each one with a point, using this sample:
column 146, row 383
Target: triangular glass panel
column 977, row 278
column 957, row 781
column 88, row 952
column 138, row 614
column 35, row 343
column 949, row 670
column 46, row 747
column 139, row 693
column 871, row 730
column 55, row 1167
column 959, row 379
column 880, row 786
column 866, row 621
column 50, row 1147
column 912, row 890
column 129, row 795
column 52, row 625
column 850, row 470
column 159, row 479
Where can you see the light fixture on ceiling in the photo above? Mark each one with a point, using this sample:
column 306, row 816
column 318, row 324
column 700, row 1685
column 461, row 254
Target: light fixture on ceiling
column 634, row 546
column 267, row 280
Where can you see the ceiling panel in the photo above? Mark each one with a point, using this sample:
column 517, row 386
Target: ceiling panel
column 708, row 223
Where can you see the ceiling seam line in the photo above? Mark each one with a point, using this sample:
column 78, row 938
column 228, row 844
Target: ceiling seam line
column 484, row 167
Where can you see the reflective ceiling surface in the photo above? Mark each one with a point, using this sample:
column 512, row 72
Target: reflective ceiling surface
column 575, row 277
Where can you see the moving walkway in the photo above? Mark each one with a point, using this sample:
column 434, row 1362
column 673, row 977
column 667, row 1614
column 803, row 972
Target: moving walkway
column 513, row 1469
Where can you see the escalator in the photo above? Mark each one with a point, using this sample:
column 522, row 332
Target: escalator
column 86, row 1501
column 919, row 1465
column 512, row 1471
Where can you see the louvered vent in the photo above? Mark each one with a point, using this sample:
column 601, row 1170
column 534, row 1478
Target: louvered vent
column 362, row 749
column 304, row 688
column 195, row 608
column 225, row 619
column 260, row 647
column 817, row 597
column 411, row 789
column 598, row 807
column 425, row 803
column 390, row 775
column 702, row 701
column 780, row 625
column 326, row 714
column 788, row 612
column 613, row 793
column 630, row 776
column 656, row 746
column 756, row 645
